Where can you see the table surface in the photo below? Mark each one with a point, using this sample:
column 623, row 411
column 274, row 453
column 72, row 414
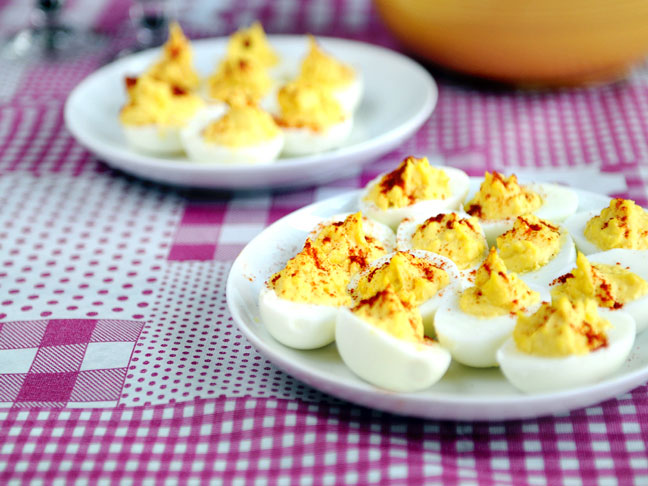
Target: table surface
column 119, row 362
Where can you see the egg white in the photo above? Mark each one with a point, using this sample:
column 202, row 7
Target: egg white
column 564, row 260
column 558, row 203
column 304, row 325
column 297, row 324
column 429, row 307
column 576, row 225
column 459, row 186
column 637, row 262
column 473, row 340
column 538, row 374
column 349, row 96
column 407, row 228
column 305, row 141
column 153, row 139
column 386, row 361
column 201, row 150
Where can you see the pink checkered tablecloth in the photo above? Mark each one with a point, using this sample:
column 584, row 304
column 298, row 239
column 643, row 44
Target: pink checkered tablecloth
column 119, row 362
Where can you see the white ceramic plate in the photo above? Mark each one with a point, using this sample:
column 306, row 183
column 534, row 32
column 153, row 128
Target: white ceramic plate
column 399, row 97
column 462, row 394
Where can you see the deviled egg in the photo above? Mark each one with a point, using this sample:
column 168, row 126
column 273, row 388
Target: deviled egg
column 615, row 279
column 321, row 69
column 500, row 199
column 154, row 114
column 241, row 133
column 473, row 325
column 381, row 340
column 299, row 303
column 564, row 345
column 537, row 250
column 311, row 119
column 623, row 224
column 413, row 190
column 419, row 278
column 453, row 234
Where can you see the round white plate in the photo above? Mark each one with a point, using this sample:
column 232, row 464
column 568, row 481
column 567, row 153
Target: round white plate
column 399, row 97
column 462, row 394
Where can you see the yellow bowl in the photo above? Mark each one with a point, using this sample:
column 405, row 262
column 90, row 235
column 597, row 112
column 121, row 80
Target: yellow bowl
column 531, row 42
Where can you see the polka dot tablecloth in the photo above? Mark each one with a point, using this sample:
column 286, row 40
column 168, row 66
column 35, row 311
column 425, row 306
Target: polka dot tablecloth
column 119, row 362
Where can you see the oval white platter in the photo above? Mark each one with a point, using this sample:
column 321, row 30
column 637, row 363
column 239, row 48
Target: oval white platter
column 399, row 97
column 462, row 394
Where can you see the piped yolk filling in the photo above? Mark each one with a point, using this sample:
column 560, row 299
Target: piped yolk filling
column 622, row 224
column 502, row 197
column 611, row 286
column 241, row 126
column 306, row 105
column 386, row 311
column 496, row 292
column 456, row 238
column 176, row 64
column 415, row 280
column 412, row 181
column 529, row 245
column 321, row 272
column 155, row 102
column 562, row 328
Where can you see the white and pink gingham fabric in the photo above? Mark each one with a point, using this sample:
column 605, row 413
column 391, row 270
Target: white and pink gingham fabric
column 119, row 362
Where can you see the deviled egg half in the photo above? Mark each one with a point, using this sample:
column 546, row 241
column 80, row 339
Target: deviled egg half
column 499, row 200
column 537, row 250
column 615, row 279
column 473, row 324
column 623, row 224
column 321, row 69
column 299, row 303
column 565, row 345
column 413, row 190
column 311, row 119
column 381, row 340
column 420, row 279
column 238, row 133
column 453, row 234
column 154, row 114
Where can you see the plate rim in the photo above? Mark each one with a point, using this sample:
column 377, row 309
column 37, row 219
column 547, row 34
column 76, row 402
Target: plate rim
column 526, row 405
column 373, row 146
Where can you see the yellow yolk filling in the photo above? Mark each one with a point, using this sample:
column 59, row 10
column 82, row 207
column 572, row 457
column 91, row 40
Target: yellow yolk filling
column 529, row 245
column 622, row 224
column 239, row 76
column 252, row 43
column 562, row 328
column 322, row 69
column 305, row 278
column 305, row 105
column 456, row 238
column 388, row 312
column 496, row 292
column 412, row 181
column 154, row 102
column 321, row 272
column 176, row 65
column 502, row 197
column 415, row 280
column 242, row 125
column 611, row 285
